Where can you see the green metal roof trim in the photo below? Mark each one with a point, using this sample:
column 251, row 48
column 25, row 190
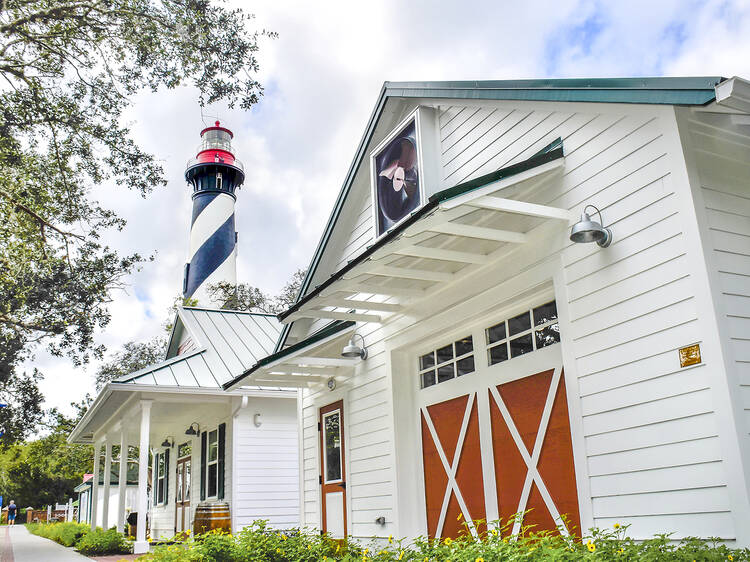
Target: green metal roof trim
column 551, row 152
column 323, row 333
column 659, row 90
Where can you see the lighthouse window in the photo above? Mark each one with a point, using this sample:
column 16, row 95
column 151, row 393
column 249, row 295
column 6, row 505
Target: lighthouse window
column 218, row 181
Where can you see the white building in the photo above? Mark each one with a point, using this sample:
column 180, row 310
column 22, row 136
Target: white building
column 205, row 444
column 507, row 367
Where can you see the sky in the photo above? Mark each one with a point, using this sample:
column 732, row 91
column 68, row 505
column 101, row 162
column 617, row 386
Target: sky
column 322, row 76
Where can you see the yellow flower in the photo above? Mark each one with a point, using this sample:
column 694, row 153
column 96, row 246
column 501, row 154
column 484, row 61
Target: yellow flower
column 480, row 559
column 283, row 537
column 505, row 540
column 621, row 551
column 338, row 547
column 390, row 539
column 309, row 547
column 448, row 541
column 493, row 532
column 401, row 555
column 730, row 557
column 616, row 525
column 460, row 516
column 591, row 546
column 278, row 550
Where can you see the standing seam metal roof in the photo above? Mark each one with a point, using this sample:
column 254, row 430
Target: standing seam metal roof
column 229, row 342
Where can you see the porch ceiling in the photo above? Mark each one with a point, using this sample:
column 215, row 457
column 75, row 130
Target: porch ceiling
column 459, row 235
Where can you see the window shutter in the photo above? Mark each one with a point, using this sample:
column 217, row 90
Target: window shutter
column 204, row 446
column 166, row 476
column 220, row 467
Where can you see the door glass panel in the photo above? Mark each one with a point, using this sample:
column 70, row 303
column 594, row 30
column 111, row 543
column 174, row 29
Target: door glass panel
column 332, row 439
column 187, row 481
column 179, row 482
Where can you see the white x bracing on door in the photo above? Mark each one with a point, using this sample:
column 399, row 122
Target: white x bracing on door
column 452, row 467
column 531, row 460
column 511, row 453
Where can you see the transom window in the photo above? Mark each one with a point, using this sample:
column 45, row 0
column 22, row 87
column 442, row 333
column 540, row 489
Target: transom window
column 213, row 463
column 527, row 332
column 448, row 362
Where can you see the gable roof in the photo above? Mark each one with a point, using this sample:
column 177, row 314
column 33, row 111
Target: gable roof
column 227, row 342
column 659, row 90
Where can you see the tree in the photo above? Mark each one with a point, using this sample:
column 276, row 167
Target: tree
column 23, row 413
column 69, row 69
column 133, row 357
column 251, row 299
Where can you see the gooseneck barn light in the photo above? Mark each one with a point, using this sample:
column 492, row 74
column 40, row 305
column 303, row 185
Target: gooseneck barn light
column 194, row 429
column 168, row 442
column 353, row 350
column 587, row 230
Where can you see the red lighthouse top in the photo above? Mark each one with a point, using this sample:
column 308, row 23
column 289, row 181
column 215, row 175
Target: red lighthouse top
column 216, row 146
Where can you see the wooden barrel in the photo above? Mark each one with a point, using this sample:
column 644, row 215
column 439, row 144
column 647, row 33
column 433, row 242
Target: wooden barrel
column 210, row 516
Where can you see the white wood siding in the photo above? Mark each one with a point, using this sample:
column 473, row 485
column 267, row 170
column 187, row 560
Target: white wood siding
column 722, row 156
column 266, row 465
column 649, row 427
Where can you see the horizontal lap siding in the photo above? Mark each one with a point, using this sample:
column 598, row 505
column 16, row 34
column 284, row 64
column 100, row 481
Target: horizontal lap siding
column 267, row 464
column 723, row 162
column 369, row 435
column 649, row 427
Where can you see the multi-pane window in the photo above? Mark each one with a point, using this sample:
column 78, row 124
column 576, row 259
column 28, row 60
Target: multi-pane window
column 212, row 469
column 448, row 362
column 161, row 472
column 529, row 331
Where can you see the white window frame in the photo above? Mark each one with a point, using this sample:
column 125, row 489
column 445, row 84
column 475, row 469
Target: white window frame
column 160, row 480
column 209, row 462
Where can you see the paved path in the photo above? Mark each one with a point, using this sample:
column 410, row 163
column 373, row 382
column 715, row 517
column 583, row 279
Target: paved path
column 30, row 548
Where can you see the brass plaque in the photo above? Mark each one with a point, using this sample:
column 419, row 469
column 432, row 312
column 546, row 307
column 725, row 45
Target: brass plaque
column 690, row 355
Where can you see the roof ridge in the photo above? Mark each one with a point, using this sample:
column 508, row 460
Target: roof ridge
column 228, row 311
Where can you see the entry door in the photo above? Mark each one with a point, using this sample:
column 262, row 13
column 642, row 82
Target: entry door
column 332, row 469
column 182, row 517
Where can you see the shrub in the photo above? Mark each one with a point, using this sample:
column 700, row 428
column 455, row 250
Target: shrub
column 259, row 543
column 67, row 533
column 102, row 542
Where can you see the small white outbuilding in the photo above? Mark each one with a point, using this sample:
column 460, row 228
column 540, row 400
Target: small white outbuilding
column 509, row 368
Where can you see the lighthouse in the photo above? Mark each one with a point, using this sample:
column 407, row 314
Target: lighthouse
column 214, row 174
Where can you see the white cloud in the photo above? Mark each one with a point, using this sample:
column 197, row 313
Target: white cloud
column 322, row 77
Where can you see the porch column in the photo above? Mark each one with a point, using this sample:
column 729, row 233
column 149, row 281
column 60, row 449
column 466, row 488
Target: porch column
column 95, row 485
column 141, row 546
column 107, row 483
column 123, row 482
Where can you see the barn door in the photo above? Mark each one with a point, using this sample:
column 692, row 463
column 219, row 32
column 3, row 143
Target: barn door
column 512, row 419
column 333, row 470
column 533, row 453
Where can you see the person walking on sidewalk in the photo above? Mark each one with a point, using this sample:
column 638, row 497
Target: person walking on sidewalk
column 12, row 509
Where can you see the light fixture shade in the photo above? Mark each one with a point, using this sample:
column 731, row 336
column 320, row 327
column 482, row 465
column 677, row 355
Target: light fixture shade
column 587, row 230
column 166, row 443
column 353, row 350
column 192, row 431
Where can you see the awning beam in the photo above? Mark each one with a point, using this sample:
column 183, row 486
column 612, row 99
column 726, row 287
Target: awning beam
column 331, row 315
column 523, row 208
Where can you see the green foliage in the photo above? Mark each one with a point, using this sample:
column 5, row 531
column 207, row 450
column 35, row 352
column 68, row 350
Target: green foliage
column 43, row 471
column 133, row 357
column 259, row 543
column 99, row 542
column 67, row 534
column 70, row 70
column 251, row 299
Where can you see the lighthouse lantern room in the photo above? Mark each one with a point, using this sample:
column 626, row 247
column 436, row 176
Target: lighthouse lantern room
column 214, row 175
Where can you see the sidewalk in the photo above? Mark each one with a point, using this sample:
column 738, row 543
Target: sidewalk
column 30, row 548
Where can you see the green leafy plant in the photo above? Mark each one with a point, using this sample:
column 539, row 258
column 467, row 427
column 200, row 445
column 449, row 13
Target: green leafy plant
column 258, row 542
column 100, row 542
